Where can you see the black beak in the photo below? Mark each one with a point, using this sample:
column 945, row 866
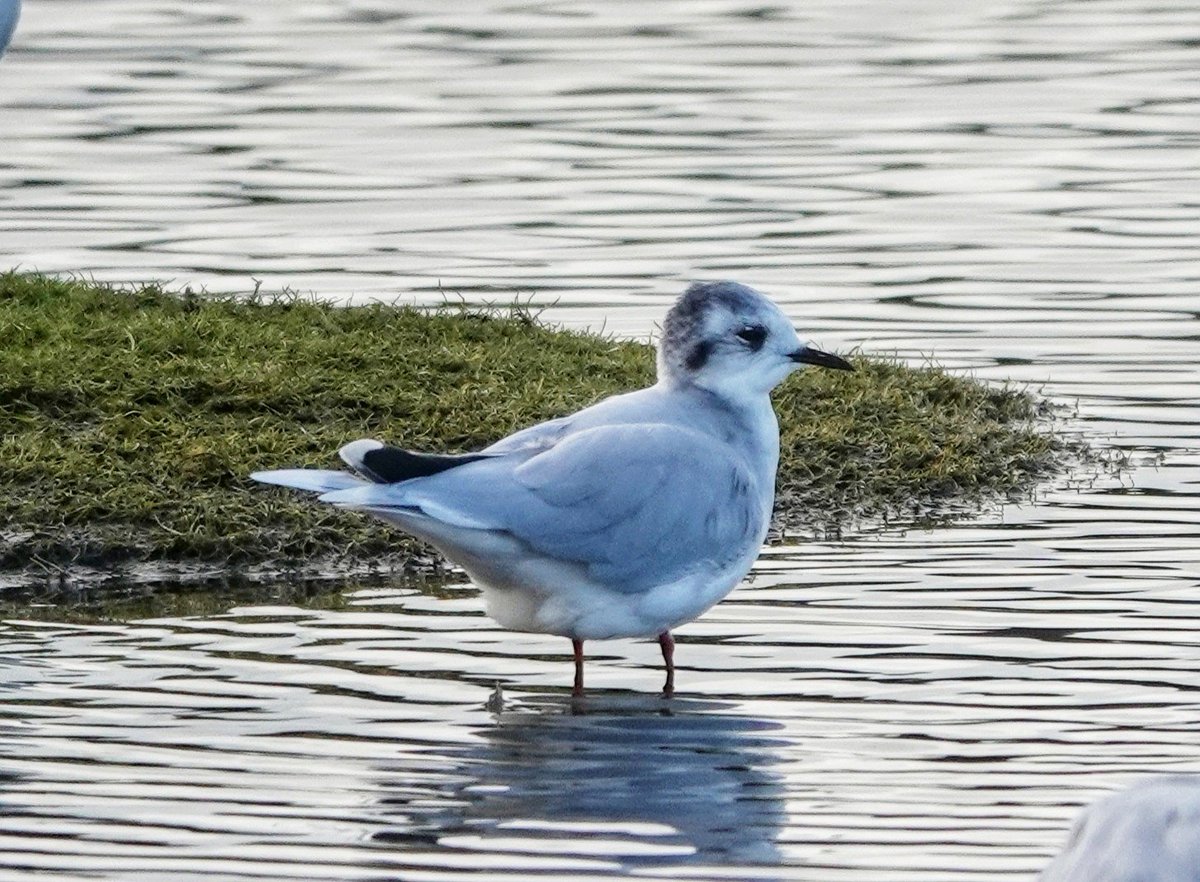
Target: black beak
column 808, row 355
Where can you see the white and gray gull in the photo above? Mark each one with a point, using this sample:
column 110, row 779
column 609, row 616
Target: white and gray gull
column 625, row 519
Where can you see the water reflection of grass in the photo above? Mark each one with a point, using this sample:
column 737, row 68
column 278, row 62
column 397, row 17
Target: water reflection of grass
column 123, row 601
column 133, row 415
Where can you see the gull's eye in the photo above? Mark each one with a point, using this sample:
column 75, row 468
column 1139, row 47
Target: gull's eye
column 753, row 336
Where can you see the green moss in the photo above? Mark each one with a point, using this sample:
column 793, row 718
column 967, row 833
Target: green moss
column 132, row 416
column 892, row 442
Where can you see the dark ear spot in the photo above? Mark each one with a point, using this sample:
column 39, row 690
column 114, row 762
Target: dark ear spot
column 699, row 355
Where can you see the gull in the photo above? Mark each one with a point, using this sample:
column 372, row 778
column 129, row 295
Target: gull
column 1149, row 832
column 625, row 519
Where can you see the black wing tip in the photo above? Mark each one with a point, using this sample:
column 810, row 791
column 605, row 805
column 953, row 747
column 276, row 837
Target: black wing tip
column 385, row 464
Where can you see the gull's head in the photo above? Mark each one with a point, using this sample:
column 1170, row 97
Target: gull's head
column 733, row 341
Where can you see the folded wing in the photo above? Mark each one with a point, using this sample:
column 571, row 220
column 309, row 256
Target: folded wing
column 637, row 505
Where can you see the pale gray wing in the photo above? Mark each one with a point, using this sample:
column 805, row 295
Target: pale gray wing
column 637, row 505
column 640, row 504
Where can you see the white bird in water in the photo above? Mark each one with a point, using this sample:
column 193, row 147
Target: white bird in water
column 625, row 519
column 1147, row 833
column 10, row 11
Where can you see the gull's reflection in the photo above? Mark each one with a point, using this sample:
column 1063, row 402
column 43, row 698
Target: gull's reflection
column 639, row 781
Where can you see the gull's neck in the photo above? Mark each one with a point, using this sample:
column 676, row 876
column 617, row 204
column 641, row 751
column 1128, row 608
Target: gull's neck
column 746, row 421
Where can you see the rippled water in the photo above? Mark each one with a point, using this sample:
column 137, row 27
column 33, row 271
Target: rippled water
column 1011, row 187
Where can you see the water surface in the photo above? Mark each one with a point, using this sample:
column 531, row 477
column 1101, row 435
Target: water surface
column 1011, row 189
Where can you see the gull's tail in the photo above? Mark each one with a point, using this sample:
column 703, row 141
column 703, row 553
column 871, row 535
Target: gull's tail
column 376, row 462
column 324, row 480
column 312, row 480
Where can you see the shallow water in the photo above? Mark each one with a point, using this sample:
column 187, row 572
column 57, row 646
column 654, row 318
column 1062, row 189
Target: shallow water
column 1010, row 189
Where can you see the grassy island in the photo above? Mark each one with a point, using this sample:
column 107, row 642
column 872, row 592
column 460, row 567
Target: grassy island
column 132, row 415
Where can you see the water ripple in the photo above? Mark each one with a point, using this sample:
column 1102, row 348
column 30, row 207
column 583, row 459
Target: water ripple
column 1008, row 189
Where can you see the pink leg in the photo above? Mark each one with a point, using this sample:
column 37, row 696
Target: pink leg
column 667, row 642
column 577, row 645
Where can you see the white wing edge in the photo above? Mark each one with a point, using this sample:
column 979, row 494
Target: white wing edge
column 312, row 480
